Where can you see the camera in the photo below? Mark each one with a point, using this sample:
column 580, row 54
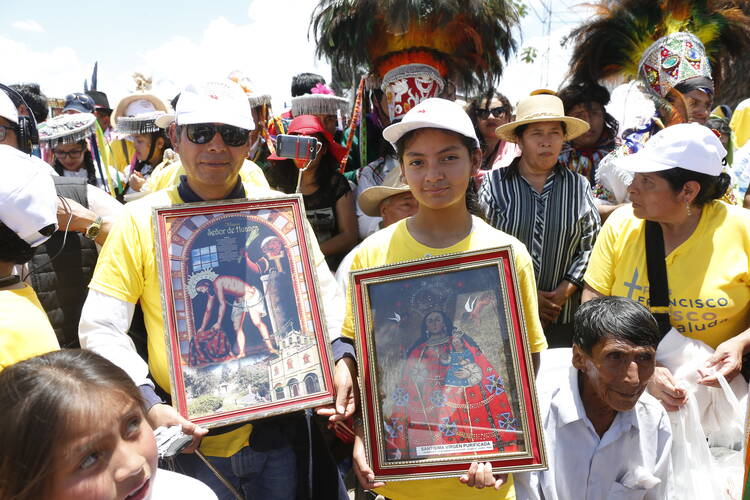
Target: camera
column 296, row 147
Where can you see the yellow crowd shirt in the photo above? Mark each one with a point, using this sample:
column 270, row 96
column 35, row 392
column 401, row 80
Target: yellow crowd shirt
column 708, row 274
column 25, row 330
column 169, row 175
column 395, row 244
column 127, row 270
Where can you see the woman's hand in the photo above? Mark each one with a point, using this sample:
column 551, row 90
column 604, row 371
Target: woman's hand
column 727, row 360
column 663, row 387
column 548, row 309
column 345, row 387
column 362, row 470
column 480, row 476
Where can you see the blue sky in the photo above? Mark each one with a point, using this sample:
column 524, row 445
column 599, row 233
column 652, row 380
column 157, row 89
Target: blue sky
column 56, row 44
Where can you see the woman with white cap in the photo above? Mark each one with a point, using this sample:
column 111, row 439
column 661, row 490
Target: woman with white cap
column 680, row 251
column 439, row 154
column 546, row 206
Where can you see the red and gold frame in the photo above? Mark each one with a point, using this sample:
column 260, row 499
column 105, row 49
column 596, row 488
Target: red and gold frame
column 255, row 259
column 436, row 398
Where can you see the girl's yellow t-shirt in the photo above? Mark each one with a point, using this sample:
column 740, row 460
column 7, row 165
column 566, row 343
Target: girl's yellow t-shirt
column 708, row 274
column 395, row 244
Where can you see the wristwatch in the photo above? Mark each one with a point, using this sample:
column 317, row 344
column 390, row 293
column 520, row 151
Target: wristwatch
column 94, row 229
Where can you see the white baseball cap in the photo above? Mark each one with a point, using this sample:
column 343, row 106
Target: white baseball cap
column 28, row 198
column 432, row 113
column 7, row 108
column 688, row 145
column 214, row 102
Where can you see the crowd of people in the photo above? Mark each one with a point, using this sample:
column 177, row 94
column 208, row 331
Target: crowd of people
column 626, row 213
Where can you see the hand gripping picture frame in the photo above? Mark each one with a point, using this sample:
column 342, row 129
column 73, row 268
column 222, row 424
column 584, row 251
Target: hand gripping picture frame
column 445, row 370
column 245, row 332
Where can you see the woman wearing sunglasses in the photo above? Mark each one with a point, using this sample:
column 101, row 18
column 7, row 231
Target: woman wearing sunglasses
column 488, row 112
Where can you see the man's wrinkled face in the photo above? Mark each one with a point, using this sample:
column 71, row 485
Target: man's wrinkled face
column 616, row 371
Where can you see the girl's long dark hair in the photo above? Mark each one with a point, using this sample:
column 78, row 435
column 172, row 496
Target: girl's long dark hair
column 45, row 399
column 88, row 164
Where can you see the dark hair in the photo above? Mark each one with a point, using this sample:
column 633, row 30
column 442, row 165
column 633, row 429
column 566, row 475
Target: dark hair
column 481, row 102
column 712, row 187
column 13, row 248
column 304, row 82
column 153, row 136
column 46, row 399
column 35, row 99
column 614, row 317
column 88, row 164
column 208, row 283
column 518, row 132
column 472, row 201
column 586, row 93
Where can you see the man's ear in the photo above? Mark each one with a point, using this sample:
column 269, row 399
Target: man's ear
column 579, row 358
column 172, row 133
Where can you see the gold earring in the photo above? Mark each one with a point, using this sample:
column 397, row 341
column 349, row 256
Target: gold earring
column 689, row 212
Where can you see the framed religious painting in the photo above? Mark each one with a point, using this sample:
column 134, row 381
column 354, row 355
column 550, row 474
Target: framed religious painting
column 445, row 369
column 245, row 334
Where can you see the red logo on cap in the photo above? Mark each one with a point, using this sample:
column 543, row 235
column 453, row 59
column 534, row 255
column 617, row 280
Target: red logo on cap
column 213, row 96
column 422, row 110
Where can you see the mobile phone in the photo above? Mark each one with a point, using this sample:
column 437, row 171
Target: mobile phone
column 296, row 147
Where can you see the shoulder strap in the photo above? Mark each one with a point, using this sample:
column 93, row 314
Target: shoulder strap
column 658, row 287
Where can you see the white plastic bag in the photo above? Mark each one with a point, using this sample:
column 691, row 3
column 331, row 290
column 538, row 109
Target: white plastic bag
column 708, row 432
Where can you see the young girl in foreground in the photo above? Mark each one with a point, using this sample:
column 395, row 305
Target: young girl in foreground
column 74, row 427
column 439, row 154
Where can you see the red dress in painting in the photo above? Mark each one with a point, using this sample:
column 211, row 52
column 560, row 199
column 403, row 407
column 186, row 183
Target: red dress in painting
column 450, row 395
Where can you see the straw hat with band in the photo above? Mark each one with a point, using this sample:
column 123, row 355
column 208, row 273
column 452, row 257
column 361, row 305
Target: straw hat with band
column 369, row 200
column 539, row 108
column 138, row 104
column 310, row 125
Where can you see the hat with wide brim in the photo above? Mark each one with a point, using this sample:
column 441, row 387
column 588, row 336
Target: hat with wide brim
column 165, row 120
column 540, row 108
column 140, row 124
column 122, row 106
column 67, row 129
column 369, row 199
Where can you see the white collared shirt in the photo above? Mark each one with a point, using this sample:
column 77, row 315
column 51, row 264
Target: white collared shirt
column 583, row 466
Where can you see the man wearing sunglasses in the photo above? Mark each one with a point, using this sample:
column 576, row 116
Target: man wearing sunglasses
column 213, row 124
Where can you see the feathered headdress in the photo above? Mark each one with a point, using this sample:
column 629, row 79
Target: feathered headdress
column 415, row 45
column 663, row 42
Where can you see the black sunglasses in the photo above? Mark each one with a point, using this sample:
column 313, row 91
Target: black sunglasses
column 483, row 114
column 202, row 133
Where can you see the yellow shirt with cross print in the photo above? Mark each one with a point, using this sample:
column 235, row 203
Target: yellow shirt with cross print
column 708, row 274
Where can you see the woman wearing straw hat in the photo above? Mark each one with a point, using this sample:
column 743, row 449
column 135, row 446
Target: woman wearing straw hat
column 546, row 206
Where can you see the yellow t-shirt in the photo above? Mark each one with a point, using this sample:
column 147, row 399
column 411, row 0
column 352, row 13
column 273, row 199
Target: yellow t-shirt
column 395, row 244
column 708, row 274
column 122, row 152
column 25, row 330
column 169, row 175
column 127, row 270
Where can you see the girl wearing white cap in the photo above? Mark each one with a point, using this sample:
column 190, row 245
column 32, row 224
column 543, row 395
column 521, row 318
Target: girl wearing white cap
column 701, row 243
column 439, row 153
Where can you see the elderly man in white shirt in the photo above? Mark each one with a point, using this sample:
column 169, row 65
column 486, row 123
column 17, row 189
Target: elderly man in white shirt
column 606, row 437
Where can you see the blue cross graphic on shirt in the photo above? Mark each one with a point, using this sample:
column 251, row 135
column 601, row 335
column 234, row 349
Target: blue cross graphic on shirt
column 633, row 286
